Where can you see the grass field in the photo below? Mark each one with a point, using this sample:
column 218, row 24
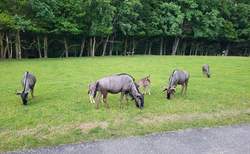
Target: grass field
column 61, row 112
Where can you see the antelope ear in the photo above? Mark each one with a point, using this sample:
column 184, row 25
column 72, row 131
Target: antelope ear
column 166, row 89
column 18, row 93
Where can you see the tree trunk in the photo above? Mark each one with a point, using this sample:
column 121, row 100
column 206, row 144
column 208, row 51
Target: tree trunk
column 93, row 47
column 202, row 50
column 145, row 52
column 7, row 46
column 184, row 48
column 165, row 48
column 45, row 43
column 38, row 47
column 197, row 47
column 16, row 47
column 90, row 46
column 150, row 46
column 11, row 50
column 191, row 49
column 1, row 43
column 125, row 47
column 19, row 44
column 66, row 47
column 175, row 46
column 161, row 47
column 133, row 47
column 227, row 50
column 82, row 47
column 105, row 46
column 111, row 45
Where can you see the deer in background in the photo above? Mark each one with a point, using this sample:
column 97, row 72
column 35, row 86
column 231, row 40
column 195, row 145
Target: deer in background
column 144, row 82
column 28, row 81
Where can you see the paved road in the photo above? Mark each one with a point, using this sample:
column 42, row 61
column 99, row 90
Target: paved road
column 229, row 140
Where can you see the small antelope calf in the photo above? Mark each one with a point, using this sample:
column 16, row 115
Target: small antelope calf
column 91, row 92
column 144, row 82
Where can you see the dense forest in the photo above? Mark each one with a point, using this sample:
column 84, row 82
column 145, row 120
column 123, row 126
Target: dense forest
column 69, row 28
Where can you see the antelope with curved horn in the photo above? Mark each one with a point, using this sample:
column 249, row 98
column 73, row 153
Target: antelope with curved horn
column 178, row 77
column 123, row 83
column 28, row 81
column 205, row 70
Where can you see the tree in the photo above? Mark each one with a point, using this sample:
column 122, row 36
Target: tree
column 129, row 23
column 41, row 24
column 14, row 13
column 172, row 22
column 100, row 15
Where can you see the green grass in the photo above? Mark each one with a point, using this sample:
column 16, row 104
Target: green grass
column 61, row 112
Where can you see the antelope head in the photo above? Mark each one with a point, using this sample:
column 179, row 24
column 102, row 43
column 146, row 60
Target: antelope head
column 170, row 92
column 24, row 95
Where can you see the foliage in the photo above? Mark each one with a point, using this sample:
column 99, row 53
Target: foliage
column 182, row 24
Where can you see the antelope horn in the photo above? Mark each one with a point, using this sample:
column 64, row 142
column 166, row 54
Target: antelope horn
column 27, row 91
column 163, row 86
column 18, row 92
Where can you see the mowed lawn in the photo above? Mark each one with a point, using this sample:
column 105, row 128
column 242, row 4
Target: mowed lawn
column 61, row 112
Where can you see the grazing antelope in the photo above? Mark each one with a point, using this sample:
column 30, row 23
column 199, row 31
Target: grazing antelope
column 123, row 83
column 28, row 81
column 144, row 82
column 177, row 77
column 205, row 70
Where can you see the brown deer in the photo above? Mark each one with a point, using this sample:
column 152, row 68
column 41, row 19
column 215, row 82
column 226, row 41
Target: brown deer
column 144, row 82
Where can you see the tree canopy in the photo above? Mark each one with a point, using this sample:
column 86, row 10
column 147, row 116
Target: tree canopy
column 91, row 27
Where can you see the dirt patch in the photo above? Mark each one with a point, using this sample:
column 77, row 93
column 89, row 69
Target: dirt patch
column 85, row 127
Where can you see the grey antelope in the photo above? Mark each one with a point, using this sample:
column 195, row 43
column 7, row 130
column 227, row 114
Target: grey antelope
column 144, row 82
column 205, row 70
column 177, row 77
column 123, row 83
column 28, row 81
column 91, row 91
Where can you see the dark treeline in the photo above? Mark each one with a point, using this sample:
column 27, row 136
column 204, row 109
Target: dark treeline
column 67, row 28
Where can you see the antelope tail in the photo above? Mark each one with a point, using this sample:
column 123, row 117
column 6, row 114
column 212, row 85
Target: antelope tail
column 97, row 84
